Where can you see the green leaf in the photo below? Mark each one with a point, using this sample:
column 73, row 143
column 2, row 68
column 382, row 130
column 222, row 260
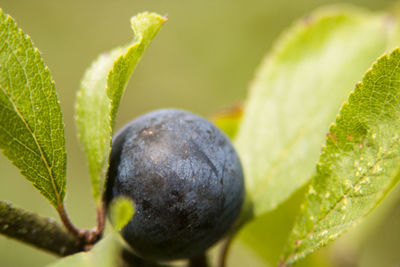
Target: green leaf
column 267, row 234
column 31, row 124
column 101, row 90
column 121, row 212
column 358, row 164
column 296, row 94
column 228, row 120
column 106, row 253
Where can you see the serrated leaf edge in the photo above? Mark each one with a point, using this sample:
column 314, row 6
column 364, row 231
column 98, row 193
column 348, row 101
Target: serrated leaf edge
column 59, row 193
column 293, row 257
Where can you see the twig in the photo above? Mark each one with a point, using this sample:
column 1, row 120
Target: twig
column 224, row 251
column 41, row 232
column 101, row 217
column 89, row 237
column 68, row 224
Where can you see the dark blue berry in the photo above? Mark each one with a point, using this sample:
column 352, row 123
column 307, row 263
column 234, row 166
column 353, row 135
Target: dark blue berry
column 185, row 179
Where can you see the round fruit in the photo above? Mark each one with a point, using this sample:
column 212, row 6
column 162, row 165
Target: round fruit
column 185, row 179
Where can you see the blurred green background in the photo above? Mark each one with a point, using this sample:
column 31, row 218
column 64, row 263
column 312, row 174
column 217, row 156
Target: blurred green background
column 202, row 60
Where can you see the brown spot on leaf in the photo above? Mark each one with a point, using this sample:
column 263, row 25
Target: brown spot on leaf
column 333, row 137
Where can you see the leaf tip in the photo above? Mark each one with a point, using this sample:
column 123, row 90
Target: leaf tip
column 122, row 210
column 145, row 20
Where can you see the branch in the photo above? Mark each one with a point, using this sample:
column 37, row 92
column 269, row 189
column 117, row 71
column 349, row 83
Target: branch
column 68, row 224
column 41, row 232
column 224, row 251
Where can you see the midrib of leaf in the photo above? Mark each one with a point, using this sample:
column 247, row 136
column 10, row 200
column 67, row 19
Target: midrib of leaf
column 34, row 152
column 345, row 196
column 358, row 165
column 281, row 158
column 366, row 37
column 41, row 155
column 263, row 178
column 105, row 81
column 25, row 77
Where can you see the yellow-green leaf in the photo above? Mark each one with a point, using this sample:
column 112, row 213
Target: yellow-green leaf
column 101, row 90
column 359, row 164
column 31, row 124
column 121, row 212
column 228, row 119
column 297, row 93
